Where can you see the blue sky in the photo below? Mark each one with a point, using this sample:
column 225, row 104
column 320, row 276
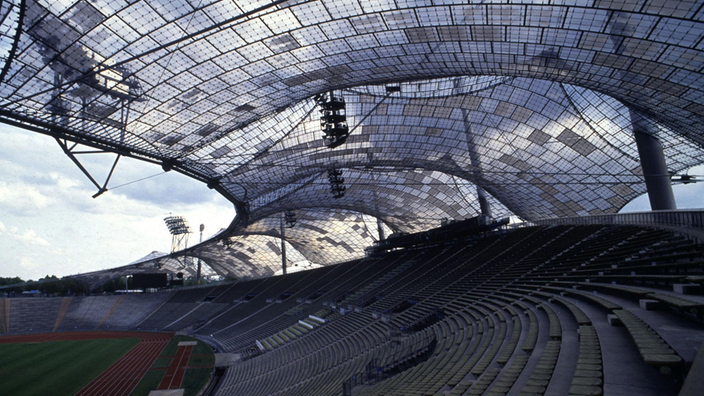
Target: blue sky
column 49, row 224
column 689, row 196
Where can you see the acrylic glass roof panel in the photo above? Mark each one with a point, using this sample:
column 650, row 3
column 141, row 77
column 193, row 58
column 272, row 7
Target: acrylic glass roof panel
column 175, row 56
column 9, row 23
column 247, row 256
column 541, row 148
column 324, row 235
column 155, row 262
column 187, row 266
column 407, row 201
column 527, row 101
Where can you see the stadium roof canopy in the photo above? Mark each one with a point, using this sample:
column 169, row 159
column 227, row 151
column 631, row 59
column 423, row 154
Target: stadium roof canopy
column 527, row 103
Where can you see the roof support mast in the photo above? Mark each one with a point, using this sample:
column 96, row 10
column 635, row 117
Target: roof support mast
column 283, row 245
column 652, row 160
column 484, row 206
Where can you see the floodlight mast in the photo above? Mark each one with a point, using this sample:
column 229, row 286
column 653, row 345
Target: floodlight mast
column 202, row 227
column 179, row 230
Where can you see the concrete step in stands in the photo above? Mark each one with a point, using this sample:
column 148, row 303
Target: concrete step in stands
column 652, row 348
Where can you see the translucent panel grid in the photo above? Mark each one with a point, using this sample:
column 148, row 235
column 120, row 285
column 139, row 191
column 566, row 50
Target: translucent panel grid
column 408, row 201
column 528, row 101
column 9, row 23
column 247, row 256
column 154, row 263
column 324, row 235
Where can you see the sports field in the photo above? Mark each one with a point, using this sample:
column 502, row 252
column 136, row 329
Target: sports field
column 176, row 364
column 102, row 363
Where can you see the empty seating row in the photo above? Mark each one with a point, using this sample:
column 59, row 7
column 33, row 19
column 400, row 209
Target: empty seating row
column 502, row 311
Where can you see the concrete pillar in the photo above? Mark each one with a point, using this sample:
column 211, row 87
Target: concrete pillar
column 652, row 161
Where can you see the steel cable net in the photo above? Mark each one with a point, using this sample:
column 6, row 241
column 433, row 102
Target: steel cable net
column 535, row 152
column 9, row 23
column 204, row 69
column 529, row 102
column 248, row 256
column 325, row 235
column 154, row 262
column 408, row 201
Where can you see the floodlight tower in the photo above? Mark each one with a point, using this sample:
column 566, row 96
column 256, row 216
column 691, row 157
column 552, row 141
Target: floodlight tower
column 178, row 227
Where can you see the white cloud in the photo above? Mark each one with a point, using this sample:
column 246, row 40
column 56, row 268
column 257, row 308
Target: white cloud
column 22, row 198
column 52, row 225
column 30, row 237
column 27, row 236
column 29, row 263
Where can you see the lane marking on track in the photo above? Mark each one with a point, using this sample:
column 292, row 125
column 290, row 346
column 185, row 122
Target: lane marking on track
column 177, row 369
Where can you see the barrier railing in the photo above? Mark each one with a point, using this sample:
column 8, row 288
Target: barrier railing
column 690, row 221
column 375, row 373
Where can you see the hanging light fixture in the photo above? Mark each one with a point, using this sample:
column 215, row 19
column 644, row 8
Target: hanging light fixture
column 333, row 119
column 337, row 183
column 290, row 218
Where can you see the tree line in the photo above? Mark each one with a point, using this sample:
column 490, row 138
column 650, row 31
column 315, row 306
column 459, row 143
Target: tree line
column 48, row 285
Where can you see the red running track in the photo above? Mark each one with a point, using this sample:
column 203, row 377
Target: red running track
column 177, row 369
column 124, row 375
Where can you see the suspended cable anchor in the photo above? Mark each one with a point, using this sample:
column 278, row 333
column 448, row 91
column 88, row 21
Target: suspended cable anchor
column 685, row 179
column 71, row 153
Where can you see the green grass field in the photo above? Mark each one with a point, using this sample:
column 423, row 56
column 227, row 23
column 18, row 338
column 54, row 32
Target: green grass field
column 56, row 368
column 62, row 368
